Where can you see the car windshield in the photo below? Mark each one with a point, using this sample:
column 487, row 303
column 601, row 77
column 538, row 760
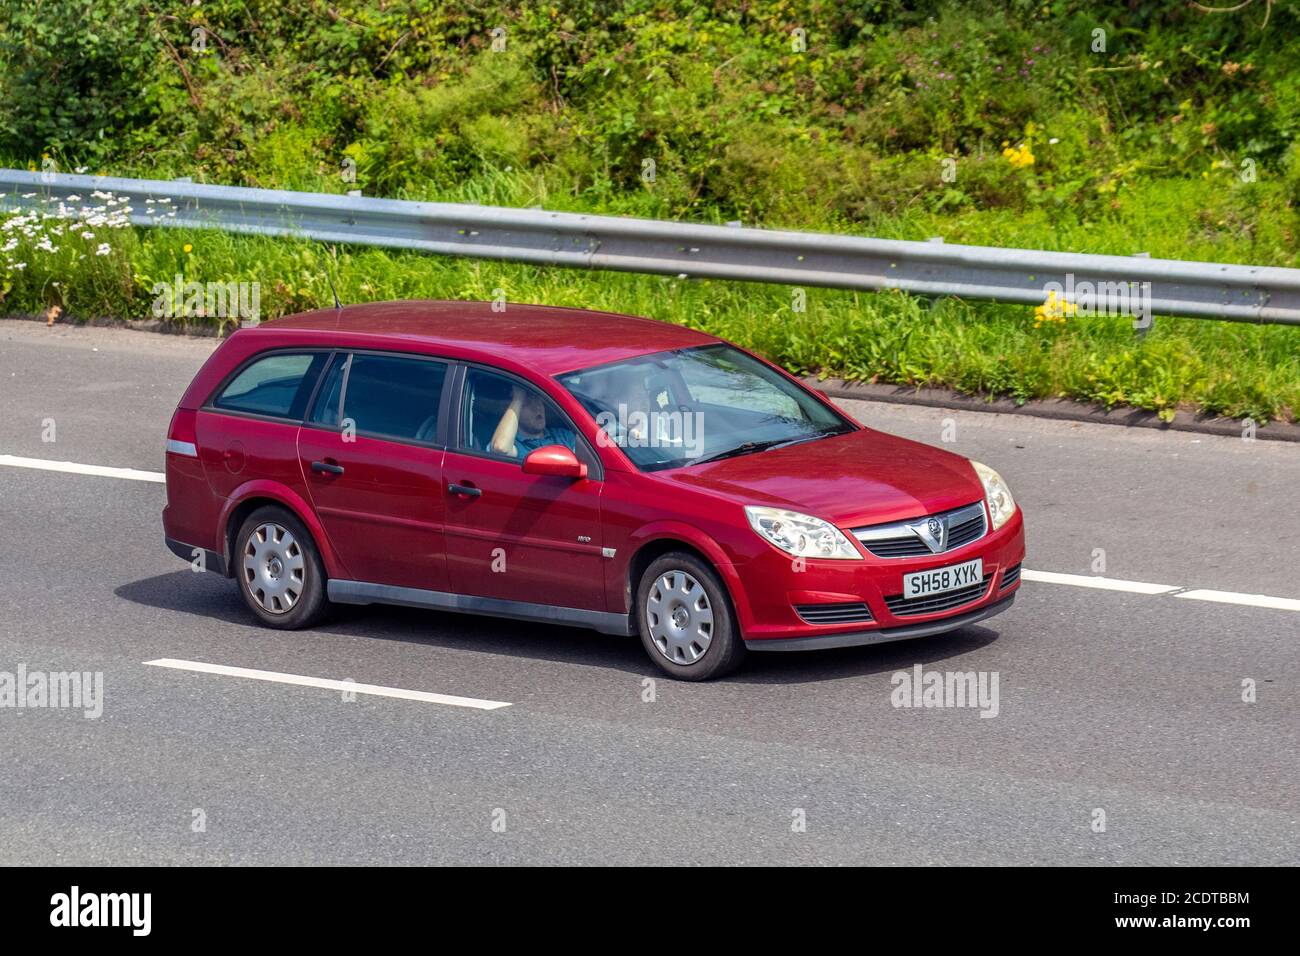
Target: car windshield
column 689, row 406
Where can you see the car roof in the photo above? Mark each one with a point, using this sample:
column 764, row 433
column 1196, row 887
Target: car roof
column 547, row 339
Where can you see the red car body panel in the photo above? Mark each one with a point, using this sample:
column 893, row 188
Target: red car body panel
column 392, row 521
column 518, row 541
column 863, row 477
column 384, row 516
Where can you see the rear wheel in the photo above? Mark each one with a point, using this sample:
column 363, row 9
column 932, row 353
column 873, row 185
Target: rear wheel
column 685, row 619
column 279, row 569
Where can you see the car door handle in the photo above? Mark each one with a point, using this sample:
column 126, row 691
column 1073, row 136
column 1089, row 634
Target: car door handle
column 468, row 490
column 327, row 467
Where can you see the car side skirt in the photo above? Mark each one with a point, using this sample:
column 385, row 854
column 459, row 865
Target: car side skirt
column 364, row 592
column 881, row 635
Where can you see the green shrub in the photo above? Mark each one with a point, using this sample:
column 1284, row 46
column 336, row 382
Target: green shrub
column 74, row 73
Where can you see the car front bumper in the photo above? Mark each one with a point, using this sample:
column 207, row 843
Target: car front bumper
column 778, row 591
column 884, row 635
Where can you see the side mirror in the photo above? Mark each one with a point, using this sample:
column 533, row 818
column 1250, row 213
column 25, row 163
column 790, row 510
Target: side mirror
column 554, row 460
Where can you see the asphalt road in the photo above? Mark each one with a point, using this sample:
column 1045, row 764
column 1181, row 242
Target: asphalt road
column 1117, row 701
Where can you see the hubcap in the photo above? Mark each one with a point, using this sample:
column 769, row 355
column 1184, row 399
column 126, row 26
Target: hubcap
column 274, row 568
column 679, row 617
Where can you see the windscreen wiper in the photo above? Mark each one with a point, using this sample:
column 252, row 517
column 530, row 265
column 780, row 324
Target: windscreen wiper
column 746, row 448
column 820, row 433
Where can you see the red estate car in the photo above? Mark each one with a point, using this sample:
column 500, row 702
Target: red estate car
column 572, row 467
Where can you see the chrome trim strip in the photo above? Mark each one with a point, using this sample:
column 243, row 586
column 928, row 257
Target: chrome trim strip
column 185, row 448
column 364, row 592
column 901, row 529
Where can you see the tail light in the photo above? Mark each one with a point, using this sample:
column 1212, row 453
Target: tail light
column 181, row 434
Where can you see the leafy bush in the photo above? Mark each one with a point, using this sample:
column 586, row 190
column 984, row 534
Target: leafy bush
column 74, row 72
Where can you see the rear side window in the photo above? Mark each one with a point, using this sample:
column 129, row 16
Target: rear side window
column 387, row 396
column 276, row 385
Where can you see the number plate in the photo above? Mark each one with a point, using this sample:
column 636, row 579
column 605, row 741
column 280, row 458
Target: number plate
column 938, row 580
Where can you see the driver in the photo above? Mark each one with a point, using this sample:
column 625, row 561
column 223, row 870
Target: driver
column 623, row 397
column 523, row 426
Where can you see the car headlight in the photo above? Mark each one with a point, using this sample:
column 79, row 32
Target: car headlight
column 801, row 535
column 1001, row 505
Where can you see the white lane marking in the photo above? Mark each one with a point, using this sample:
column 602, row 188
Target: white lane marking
column 1144, row 587
column 73, row 467
column 343, row 685
column 1104, row 584
column 1235, row 597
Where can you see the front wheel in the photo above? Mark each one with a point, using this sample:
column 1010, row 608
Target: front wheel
column 685, row 619
column 279, row 570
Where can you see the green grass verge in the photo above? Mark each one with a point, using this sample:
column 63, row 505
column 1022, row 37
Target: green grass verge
column 1215, row 367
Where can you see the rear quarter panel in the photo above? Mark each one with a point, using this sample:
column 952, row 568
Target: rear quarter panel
column 240, row 456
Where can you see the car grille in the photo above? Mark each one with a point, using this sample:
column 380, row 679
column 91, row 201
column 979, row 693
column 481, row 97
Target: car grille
column 900, row 606
column 1010, row 576
column 852, row 613
column 897, row 540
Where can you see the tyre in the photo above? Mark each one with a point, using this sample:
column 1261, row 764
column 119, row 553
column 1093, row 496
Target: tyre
column 279, row 570
column 685, row 619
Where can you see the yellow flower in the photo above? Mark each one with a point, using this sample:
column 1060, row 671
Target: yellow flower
column 188, row 248
column 1019, row 156
column 1055, row 309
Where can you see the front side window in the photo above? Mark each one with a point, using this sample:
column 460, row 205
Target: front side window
column 387, row 396
column 501, row 416
column 688, row 406
column 276, row 385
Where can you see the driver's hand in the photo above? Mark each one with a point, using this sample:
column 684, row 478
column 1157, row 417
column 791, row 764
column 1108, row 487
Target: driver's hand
column 516, row 396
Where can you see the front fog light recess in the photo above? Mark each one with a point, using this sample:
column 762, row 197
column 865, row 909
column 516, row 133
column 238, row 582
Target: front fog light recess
column 996, row 493
column 801, row 535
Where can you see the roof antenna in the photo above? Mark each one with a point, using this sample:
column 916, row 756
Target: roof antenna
column 337, row 305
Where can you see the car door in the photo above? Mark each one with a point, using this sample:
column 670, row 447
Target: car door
column 513, row 536
column 371, row 452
